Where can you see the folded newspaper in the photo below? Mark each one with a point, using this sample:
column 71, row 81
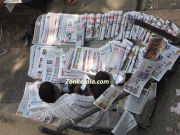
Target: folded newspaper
column 107, row 98
column 125, row 124
column 58, row 28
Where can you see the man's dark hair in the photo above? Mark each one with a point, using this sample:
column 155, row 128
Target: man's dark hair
column 98, row 89
column 47, row 92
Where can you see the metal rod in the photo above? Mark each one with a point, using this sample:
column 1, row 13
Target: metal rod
column 175, row 40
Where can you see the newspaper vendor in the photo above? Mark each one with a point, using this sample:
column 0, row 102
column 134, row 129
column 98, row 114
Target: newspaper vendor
column 70, row 106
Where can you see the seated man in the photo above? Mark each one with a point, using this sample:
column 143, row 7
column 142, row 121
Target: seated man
column 70, row 106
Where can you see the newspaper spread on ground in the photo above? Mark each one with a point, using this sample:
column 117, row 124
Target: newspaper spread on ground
column 138, row 80
column 85, row 60
column 125, row 124
column 73, row 29
column 107, row 98
column 104, row 53
column 163, row 65
column 165, row 61
column 34, row 100
column 172, row 53
column 22, row 109
column 39, row 114
column 57, row 29
column 117, row 55
column 136, row 104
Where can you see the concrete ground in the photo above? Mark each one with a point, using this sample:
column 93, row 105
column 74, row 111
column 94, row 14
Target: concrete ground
column 14, row 64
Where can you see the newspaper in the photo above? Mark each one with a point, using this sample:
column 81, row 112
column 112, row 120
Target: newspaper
column 97, row 26
column 133, row 59
column 107, row 98
column 42, row 115
column 125, row 124
column 117, row 54
column 172, row 53
column 116, row 14
column 104, row 53
column 57, row 29
column 45, row 54
column 34, row 101
column 120, row 14
column 129, row 62
column 138, row 80
column 34, row 56
column 39, row 114
column 129, row 46
column 22, row 109
column 154, row 47
column 136, row 104
column 139, row 58
column 163, row 65
column 48, row 67
column 90, row 26
column 103, row 27
column 72, row 29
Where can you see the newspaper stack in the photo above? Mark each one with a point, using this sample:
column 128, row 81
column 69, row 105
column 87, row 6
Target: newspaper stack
column 32, row 107
column 42, row 61
column 53, row 64
column 57, row 29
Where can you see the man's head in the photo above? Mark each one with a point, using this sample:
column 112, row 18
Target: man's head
column 98, row 89
column 48, row 92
